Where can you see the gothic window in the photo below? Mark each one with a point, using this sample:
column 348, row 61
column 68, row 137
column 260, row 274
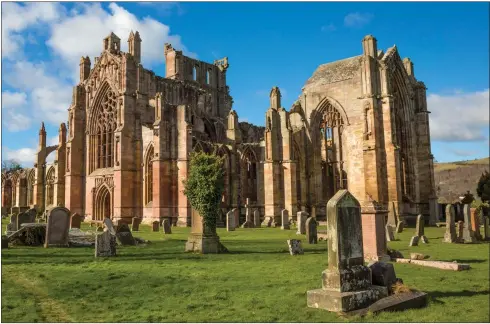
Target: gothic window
column 249, row 176
column 194, row 74
column 30, row 189
column 105, row 127
column 208, row 77
column 149, row 176
column 50, row 187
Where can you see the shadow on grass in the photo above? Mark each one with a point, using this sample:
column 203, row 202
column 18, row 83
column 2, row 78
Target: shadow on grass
column 467, row 260
column 464, row 293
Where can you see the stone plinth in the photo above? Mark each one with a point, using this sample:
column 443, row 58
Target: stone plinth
column 373, row 233
column 203, row 238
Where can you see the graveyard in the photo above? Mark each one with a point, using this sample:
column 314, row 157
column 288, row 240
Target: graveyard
column 257, row 281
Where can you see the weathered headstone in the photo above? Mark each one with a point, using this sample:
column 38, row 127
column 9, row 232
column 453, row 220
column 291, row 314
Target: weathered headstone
column 311, row 230
column 450, row 235
column 75, row 220
column 24, row 218
column 109, row 225
column 230, row 221
column 468, row 234
column 486, row 228
column 460, row 228
column 295, row 247
column 105, row 244
column 346, row 283
column 203, row 237
column 12, row 227
column 248, row 217
column 124, row 235
column 58, row 226
column 390, row 236
column 32, row 215
column 167, row 229
column 399, row 227
column 383, row 273
column 256, row 218
column 475, row 224
column 419, row 232
column 135, row 224
column 155, row 226
column 302, row 216
column 285, row 219
column 236, row 214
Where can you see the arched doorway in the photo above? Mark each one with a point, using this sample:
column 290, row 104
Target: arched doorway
column 103, row 204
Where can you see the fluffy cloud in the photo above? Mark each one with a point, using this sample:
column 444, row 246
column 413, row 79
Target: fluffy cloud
column 25, row 156
column 12, row 99
column 357, row 19
column 459, row 117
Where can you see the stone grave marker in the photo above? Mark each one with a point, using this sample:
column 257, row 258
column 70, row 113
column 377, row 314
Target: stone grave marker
column 295, row 247
column 25, row 218
column 167, row 229
column 12, row 227
column 486, row 228
column 468, row 234
column 460, row 231
column 58, row 226
column 230, row 221
column 399, row 227
column 109, row 225
column 75, row 220
column 105, row 244
column 135, row 224
column 450, row 234
column 236, row 214
column 203, row 237
column 302, row 216
column 346, row 283
column 124, row 235
column 248, row 217
column 311, row 230
column 32, row 212
column 475, row 224
column 155, row 226
column 256, row 218
column 419, row 232
column 390, row 236
column 285, row 219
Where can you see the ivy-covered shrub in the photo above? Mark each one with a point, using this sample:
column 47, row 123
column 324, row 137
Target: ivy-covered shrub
column 204, row 186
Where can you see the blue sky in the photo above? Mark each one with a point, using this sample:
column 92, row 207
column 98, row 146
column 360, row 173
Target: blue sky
column 268, row 44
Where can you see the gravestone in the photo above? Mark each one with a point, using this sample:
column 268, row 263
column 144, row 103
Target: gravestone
column 25, row 218
column 311, row 230
column 295, row 247
column 12, row 227
column 167, row 229
column 256, row 218
column 390, row 236
column 248, row 217
column 468, row 234
column 5, row 242
column 75, row 220
column 236, row 215
column 105, row 244
column 486, row 228
column 475, row 224
column 135, row 224
column 58, row 226
column 301, row 216
column 230, row 221
column 124, row 235
column 419, row 232
column 32, row 215
column 109, row 225
column 203, row 237
column 450, row 235
column 399, row 227
column 155, row 226
column 460, row 231
column 346, row 283
column 285, row 219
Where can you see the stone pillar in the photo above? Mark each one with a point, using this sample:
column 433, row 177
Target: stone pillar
column 450, row 235
column 434, row 211
column 203, row 238
column 475, row 224
column 373, row 232
column 184, row 139
column 346, row 283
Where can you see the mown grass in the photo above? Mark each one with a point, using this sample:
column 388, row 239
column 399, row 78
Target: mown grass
column 257, row 282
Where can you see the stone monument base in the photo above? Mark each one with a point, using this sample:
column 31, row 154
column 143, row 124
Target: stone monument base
column 335, row 301
column 204, row 244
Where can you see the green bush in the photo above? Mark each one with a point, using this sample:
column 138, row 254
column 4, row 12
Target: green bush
column 204, row 186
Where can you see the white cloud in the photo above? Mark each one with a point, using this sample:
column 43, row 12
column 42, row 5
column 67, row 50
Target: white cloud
column 12, row 99
column 16, row 122
column 328, row 28
column 25, row 156
column 357, row 19
column 459, row 117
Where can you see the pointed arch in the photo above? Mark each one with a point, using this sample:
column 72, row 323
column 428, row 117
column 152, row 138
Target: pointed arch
column 148, row 174
column 103, row 205
column 249, row 166
column 31, row 180
column 224, row 152
column 50, row 178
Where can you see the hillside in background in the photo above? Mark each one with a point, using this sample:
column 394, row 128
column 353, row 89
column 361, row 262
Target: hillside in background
column 455, row 178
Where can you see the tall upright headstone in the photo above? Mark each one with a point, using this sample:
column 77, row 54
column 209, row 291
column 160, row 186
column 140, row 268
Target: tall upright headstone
column 390, row 236
column 285, row 219
column 311, row 230
column 155, row 226
column 486, row 228
column 57, row 228
column 468, row 234
column 135, row 224
column 419, row 232
column 460, row 231
column 76, row 220
column 105, row 244
column 167, row 229
column 346, row 283
column 399, row 227
column 302, row 217
column 248, row 217
column 236, row 214
column 230, row 221
column 12, row 226
column 475, row 224
column 256, row 218
column 450, row 235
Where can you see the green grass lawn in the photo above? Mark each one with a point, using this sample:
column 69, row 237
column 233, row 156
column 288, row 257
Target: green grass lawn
column 258, row 281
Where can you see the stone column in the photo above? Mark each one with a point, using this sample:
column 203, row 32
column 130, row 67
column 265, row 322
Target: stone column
column 203, row 238
column 184, row 139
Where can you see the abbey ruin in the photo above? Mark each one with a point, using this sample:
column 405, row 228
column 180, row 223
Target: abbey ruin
column 359, row 124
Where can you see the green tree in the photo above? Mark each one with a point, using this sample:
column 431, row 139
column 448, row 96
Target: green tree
column 204, row 186
column 11, row 165
column 483, row 188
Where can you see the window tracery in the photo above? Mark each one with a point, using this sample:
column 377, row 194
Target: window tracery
column 105, row 127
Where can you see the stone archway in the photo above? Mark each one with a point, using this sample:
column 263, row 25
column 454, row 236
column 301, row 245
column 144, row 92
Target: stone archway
column 103, row 204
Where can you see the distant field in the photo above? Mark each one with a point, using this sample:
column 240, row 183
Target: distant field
column 458, row 164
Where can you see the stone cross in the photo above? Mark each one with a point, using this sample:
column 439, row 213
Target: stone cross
column 346, row 283
column 155, row 226
column 468, row 234
column 399, row 227
column 135, row 224
column 230, row 221
column 450, row 235
column 256, row 218
column 105, row 244
column 75, row 220
column 390, row 236
column 311, row 230
column 475, row 222
column 285, row 219
column 419, row 232
column 301, row 221
column 460, row 231
column 167, row 229
column 57, row 228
